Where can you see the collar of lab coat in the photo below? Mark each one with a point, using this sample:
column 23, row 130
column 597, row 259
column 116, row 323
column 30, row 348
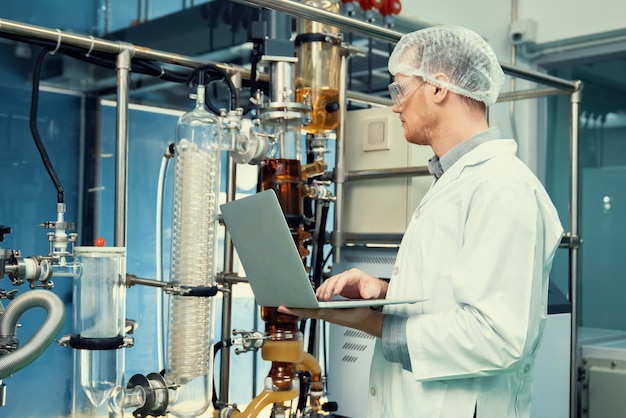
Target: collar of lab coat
column 478, row 155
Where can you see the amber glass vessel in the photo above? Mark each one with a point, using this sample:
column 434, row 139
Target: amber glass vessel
column 318, row 69
column 284, row 347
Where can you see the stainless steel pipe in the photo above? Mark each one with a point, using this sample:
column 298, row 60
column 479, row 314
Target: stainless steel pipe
column 337, row 237
column 573, row 250
column 310, row 12
column 90, row 43
column 530, row 94
column 121, row 148
column 387, row 173
column 227, row 297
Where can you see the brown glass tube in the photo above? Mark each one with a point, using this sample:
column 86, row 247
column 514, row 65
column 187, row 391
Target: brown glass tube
column 284, row 346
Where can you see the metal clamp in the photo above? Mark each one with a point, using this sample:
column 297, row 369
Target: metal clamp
column 8, row 345
column 568, row 240
column 192, row 291
column 8, row 294
column 248, row 340
column 95, row 344
column 156, row 394
column 31, row 268
column 319, row 190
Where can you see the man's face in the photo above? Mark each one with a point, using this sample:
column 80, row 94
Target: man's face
column 412, row 106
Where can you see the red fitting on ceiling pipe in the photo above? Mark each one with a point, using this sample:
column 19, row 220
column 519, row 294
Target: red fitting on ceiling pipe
column 390, row 7
column 367, row 6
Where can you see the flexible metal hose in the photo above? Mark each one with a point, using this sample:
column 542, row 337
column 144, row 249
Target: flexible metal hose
column 38, row 343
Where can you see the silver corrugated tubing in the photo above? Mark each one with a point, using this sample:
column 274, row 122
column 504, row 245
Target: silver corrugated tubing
column 38, row 343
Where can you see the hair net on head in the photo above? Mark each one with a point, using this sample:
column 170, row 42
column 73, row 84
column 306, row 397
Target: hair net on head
column 469, row 62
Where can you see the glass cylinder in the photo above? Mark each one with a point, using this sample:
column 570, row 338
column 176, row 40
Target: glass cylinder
column 316, row 50
column 196, row 191
column 99, row 318
column 284, row 176
column 311, row 26
column 283, row 116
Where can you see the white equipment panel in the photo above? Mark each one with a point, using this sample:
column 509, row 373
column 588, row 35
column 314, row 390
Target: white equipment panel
column 375, row 140
column 603, row 368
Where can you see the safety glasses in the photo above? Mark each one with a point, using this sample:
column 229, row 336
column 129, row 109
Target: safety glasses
column 401, row 89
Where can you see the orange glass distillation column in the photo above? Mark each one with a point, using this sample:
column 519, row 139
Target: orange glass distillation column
column 295, row 98
column 284, row 348
column 318, row 78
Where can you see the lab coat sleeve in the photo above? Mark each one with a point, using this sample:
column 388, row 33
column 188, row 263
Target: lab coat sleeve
column 394, row 342
column 499, row 283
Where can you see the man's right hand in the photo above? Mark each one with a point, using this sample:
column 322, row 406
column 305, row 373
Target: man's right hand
column 353, row 284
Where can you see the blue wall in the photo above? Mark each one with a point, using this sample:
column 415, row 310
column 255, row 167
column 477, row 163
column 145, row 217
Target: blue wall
column 73, row 15
column 29, row 199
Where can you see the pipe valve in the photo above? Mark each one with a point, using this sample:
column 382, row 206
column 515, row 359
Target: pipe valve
column 20, row 268
column 61, row 241
column 248, row 340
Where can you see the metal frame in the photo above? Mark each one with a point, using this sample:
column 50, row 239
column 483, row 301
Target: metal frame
column 126, row 52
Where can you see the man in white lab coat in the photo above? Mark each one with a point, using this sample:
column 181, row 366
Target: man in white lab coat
column 479, row 248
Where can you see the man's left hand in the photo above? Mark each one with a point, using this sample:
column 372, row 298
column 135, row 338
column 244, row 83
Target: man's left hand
column 363, row 319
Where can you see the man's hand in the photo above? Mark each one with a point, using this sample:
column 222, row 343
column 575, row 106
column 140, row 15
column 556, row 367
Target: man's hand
column 363, row 319
column 353, row 284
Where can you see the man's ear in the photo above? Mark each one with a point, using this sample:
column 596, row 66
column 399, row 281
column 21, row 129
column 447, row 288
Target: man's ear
column 440, row 92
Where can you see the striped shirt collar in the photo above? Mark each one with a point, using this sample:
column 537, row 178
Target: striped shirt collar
column 437, row 166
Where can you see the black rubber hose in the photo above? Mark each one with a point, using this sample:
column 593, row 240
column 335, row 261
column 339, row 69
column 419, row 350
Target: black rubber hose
column 321, row 240
column 216, row 348
column 255, row 57
column 108, row 60
column 35, row 132
column 214, row 73
column 317, row 269
column 304, row 377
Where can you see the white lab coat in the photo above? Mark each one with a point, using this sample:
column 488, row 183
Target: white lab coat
column 479, row 248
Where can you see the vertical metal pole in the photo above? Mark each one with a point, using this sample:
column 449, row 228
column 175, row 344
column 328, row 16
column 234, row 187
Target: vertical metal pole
column 121, row 149
column 102, row 17
column 147, row 12
column 573, row 250
column 81, row 164
column 139, row 11
column 338, row 238
column 227, row 297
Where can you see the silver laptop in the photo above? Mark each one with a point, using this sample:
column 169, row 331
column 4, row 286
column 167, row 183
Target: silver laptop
column 270, row 258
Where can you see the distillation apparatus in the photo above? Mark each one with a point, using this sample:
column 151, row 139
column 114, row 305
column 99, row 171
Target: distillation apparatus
column 184, row 387
column 302, row 102
column 196, row 191
column 275, row 145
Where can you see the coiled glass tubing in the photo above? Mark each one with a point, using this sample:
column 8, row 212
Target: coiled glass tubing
column 196, row 186
column 192, row 249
